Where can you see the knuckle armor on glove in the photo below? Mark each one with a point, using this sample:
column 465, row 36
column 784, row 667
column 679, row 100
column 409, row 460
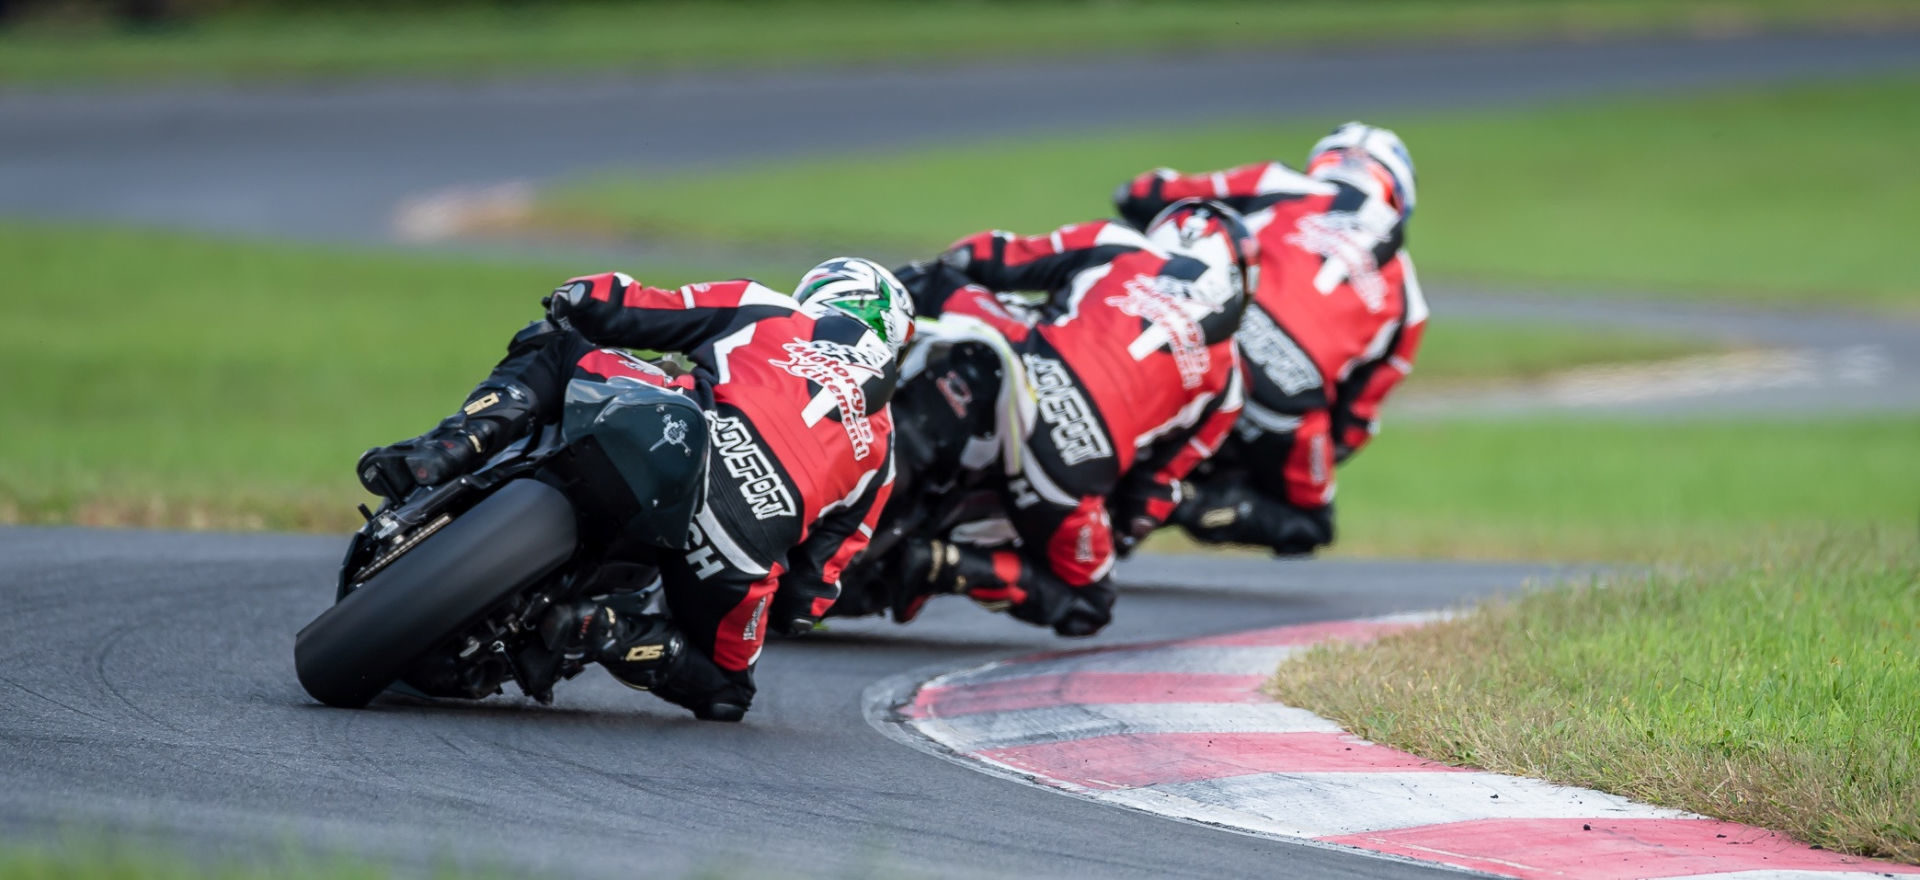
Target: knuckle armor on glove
column 565, row 300
column 573, row 303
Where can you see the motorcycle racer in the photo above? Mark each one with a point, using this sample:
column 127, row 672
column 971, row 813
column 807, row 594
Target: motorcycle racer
column 1130, row 377
column 1334, row 325
column 795, row 389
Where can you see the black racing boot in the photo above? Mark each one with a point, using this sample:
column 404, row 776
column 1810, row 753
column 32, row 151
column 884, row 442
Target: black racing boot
column 493, row 416
column 1233, row 513
column 711, row 693
column 637, row 648
column 646, row 652
column 923, row 570
column 999, row 580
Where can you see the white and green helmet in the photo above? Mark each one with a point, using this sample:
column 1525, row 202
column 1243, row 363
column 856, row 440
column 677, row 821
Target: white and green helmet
column 865, row 290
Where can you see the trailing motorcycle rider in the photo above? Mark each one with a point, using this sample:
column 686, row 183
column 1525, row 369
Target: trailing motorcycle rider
column 1334, row 325
column 1079, row 411
column 795, row 389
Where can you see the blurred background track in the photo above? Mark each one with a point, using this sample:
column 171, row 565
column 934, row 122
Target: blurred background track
column 145, row 677
column 333, row 162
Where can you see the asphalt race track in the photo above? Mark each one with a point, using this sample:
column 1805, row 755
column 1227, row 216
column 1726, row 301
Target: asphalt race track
column 147, row 687
column 146, row 680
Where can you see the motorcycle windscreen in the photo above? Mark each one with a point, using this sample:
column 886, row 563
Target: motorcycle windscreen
column 654, row 441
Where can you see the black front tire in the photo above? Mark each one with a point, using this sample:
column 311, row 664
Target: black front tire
column 352, row 651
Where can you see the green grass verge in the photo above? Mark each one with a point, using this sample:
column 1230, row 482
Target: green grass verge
column 114, row 858
column 472, row 38
column 160, row 379
column 1737, row 195
column 1623, row 490
column 1783, row 691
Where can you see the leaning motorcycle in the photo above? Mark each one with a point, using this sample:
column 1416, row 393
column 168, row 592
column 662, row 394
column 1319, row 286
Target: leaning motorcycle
column 441, row 593
column 958, row 415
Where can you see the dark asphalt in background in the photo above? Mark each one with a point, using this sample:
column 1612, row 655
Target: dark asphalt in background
column 146, row 683
column 331, row 162
column 147, row 687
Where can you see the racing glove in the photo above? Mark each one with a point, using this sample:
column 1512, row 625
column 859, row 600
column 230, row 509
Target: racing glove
column 931, row 282
column 799, row 604
column 572, row 305
column 1140, row 507
column 1139, row 200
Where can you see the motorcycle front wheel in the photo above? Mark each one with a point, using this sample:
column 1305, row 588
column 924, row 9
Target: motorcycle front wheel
column 354, row 650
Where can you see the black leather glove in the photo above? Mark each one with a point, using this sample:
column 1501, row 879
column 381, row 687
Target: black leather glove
column 1139, row 200
column 930, row 282
column 563, row 301
column 791, row 613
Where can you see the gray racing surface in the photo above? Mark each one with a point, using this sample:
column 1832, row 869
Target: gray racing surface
column 147, row 687
column 332, row 162
column 146, row 682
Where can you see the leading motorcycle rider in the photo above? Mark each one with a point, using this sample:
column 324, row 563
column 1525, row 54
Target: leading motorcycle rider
column 1128, row 370
column 1334, row 325
column 795, row 390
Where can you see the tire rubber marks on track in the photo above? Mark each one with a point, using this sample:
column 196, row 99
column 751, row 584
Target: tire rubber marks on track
column 1180, row 729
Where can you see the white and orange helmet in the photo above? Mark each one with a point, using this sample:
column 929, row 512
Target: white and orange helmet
column 1372, row 158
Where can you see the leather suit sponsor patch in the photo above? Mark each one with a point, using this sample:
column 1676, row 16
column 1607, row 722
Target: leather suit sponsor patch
column 748, row 464
column 1268, row 347
column 1074, row 432
column 1169, row 305
column 839, row 370
column 1342, row 240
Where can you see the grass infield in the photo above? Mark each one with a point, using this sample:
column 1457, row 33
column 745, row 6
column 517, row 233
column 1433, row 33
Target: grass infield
column 1782, row 690
column 1606, row 490
column 100, row 855
column 1734, row 195
column 167, row 380
column 464, row 39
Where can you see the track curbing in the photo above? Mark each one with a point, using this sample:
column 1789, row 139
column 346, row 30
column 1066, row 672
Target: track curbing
column 1180, row 729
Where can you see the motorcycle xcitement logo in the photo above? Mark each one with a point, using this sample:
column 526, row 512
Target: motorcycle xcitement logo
column 748, row 464
column 1074, row 433
column 1165, row 303
column 672, row 431
column 839, row 370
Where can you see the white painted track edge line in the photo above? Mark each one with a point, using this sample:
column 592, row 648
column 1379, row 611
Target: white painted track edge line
column 880, row 698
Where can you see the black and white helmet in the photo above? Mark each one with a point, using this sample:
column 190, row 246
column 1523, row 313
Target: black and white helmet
column 1215, row 235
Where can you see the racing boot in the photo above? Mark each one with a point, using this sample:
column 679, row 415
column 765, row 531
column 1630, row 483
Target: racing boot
column 646, row 652
column 1233, row 513
column 922, row 569
column 695, row 683
column 495, row 415
column 1001, row 580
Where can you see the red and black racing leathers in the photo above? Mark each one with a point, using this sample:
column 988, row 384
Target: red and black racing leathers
column 801, row 439
column 1133, row 381
column 1334, row 326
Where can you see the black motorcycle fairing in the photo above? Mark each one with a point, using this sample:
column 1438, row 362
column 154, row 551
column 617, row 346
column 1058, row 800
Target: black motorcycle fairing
column 639, row 453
